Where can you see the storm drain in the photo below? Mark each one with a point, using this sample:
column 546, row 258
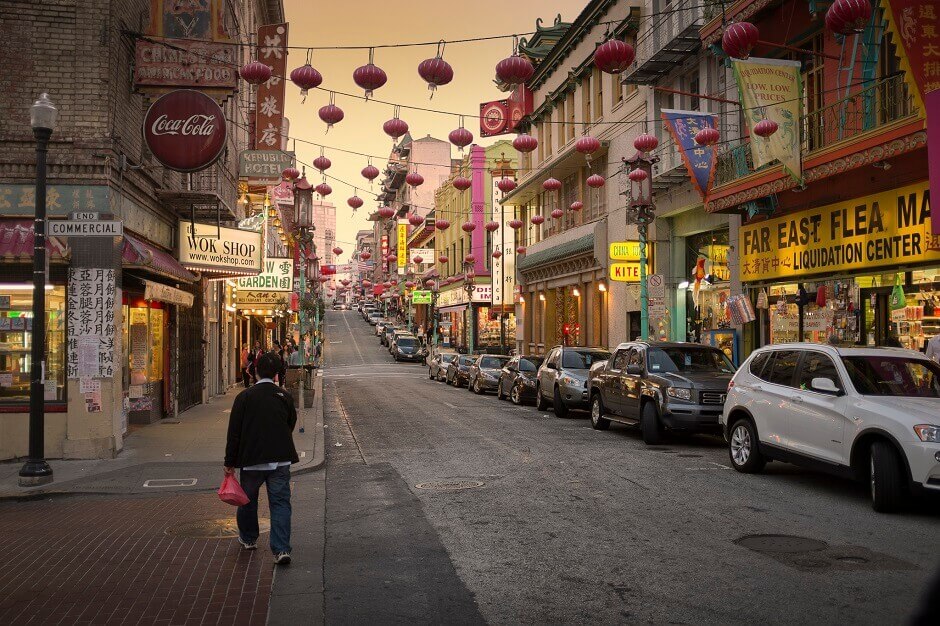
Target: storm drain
column 450, row 485
column 223, row 528
column 808, row 555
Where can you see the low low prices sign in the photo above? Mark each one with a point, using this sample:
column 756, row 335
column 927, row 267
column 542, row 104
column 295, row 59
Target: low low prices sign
column 185, row 130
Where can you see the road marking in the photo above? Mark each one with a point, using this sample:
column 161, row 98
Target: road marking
column 355, row 343
column 332, row 342
column 170, row 482
column 448, row 404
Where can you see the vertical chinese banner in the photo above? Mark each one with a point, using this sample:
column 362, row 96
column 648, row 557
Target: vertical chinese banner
column 914, row 26
column 269, row 108
column 699, row 160
column 402, row 245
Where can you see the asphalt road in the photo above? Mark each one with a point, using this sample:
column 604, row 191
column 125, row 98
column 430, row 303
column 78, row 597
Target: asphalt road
column 572, row 525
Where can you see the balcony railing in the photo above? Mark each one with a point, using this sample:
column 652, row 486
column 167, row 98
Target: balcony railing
column 881, row 104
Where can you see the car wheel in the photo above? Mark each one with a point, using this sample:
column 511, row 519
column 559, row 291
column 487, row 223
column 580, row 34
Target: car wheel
column 540, row 403
column 649, row 425
column 558, row 404
column 743, row 449
column 516, row 394
column 887, row 483
column 598, row 421
column 499, row 391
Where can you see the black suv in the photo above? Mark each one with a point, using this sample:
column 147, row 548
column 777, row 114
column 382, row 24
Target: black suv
column 659, row 385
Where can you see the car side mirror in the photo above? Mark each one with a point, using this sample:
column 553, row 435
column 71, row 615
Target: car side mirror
column 824, row 385
column 634, row 370
column 551, row 366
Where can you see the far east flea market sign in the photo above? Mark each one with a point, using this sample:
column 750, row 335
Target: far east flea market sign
column 185, row 130
column 219, row 249
column 886, row 229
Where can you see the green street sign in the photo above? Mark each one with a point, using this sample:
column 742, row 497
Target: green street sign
column 421, row 297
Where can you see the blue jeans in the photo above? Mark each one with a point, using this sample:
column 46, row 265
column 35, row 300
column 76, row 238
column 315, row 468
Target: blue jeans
column 277, row 482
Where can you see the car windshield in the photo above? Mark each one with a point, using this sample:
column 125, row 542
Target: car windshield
column 406, row 342
column 892, row 375
column 530, row 364
column 466, row 360
column 688, row 360
column 448, row 358
column 493, row 362
column 583, row 359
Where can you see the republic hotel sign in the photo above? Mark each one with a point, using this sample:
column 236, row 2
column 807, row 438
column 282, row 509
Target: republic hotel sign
column 887, row 229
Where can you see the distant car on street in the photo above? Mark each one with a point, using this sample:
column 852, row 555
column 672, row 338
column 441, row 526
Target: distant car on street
column 562, row 379
column 517, row 379
column 437, row 366
column 375, row 317
column 385, row 338
column 408, row 348
column 872, row 414
column 458, row 370
column 659, row 386
column 484, row 373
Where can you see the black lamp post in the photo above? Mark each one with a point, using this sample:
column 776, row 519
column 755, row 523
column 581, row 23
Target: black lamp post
column 469, row 287
column 36, row 471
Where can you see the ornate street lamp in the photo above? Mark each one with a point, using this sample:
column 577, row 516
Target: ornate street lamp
column 469, row 276
column 642, row 212
column 36, row 471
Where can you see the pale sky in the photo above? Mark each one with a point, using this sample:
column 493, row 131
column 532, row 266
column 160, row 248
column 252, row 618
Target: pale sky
column 370, row 22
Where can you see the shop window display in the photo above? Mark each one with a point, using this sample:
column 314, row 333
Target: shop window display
column 16, row 337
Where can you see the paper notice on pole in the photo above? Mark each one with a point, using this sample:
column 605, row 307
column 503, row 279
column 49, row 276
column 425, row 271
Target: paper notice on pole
column 50, row 391
column 93, row 401
column 6, row 379
column 88, row 354
column 88, row 385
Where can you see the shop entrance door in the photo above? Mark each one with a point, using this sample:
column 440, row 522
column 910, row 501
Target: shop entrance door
column 875, row 320
column 190, row 379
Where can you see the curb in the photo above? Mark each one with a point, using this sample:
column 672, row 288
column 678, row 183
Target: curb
column 318, row 457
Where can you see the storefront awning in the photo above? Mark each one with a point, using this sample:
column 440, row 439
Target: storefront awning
column 139, row 255
column 16, row 242
column 574, row 247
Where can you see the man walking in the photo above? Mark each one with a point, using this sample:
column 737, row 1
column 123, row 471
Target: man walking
column 246, row 377
column 260, row 442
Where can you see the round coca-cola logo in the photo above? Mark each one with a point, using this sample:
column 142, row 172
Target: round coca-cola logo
column 185, row 130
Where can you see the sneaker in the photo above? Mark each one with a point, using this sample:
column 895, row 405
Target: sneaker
column 248, row 545
column 282, row 558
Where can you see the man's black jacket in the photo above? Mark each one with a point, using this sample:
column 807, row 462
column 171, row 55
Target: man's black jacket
column 260, row 427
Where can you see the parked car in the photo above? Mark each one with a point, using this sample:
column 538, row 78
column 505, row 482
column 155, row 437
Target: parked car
column 659, row 386
column 517, row 379
column 380, row 327
column 374, row 317
column 437, row 366
column 562, row 378
column 868, row 413
column 458, row 370
column 390, row 341
column 484, row 373
column 408, row 348
column 388, row 333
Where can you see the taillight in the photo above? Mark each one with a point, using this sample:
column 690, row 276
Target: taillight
column 730, row 384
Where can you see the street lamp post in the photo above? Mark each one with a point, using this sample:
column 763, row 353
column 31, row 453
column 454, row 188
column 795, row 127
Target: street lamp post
column 641, row 175
column 469, row 276
column 36, row 471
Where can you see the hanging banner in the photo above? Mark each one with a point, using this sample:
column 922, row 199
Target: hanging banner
column 269, row 108
column 932, row 101
column 915, row 29
column 699, row 160
column 771, row 89
column 402, row 253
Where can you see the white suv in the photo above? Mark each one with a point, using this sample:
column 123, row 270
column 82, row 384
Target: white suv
column 863, row 412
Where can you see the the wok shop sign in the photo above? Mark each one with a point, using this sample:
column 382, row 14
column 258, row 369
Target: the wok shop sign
column 883, row 230
column 185, row 130
column 211, row 248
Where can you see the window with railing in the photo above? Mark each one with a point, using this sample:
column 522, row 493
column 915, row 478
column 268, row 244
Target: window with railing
column 549, row 125
column 549, row 204
column 571, row 191
column 597, row 97
column 569, row 108
column 586, row 107
column 813, row 85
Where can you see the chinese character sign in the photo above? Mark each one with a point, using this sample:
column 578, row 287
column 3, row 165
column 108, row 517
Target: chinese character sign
column 91, row 325
column 772, row 89
column 699, row 160
column 914, row 26
column 269, row 109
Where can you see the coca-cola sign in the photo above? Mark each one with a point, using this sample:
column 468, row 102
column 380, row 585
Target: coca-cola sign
column 185, row 130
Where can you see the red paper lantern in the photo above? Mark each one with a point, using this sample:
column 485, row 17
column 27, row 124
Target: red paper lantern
column 337, row 251
column 552, row 184
column 614, row 56
column 331, row 114
column 496, row 254
column 418, row 260
column 847, row 17
column 460, row 137
column 462, row 183
column 409, row 284
column 739, row 39
column 506, row 185
column 469, row 258
column 637, row 175
column 520, row 250
column 646, row 142
column 595, row 180
column 393, row 259
column 369, row 76
column 442, row 224
column 324, row 189
column 323, row 279
column 415, row 220
column 414, row 179
column 587, row 145
column 557, row 214
column 576, row 206
column 443, row 259
column 370, row 172
column 514, row 70
column 291, row 173
column 395, row 127
column 537, row 219
column 468, row 227
column 366, row 283
column 256, row 72
column 306, row 77
column 525, row 143
column 365, row 256
column 708, row 136
column 491, row 226
column 516, row 224
column 322, row 163
column 765, row 128
column 386, row 212
column 355, row 202
column 436, row 71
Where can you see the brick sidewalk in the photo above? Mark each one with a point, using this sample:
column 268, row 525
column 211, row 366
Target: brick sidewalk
column 110, row 560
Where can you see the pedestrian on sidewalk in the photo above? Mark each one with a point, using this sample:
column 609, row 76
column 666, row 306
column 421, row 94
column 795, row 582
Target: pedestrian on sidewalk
column 260, row 442
column 246, row 361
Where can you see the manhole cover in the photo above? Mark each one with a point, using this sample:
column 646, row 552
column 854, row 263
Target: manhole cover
column 450, row 485
column 781, row 543
column 225, row 528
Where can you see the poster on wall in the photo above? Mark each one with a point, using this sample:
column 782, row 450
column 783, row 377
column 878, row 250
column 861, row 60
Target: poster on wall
column 90, row 308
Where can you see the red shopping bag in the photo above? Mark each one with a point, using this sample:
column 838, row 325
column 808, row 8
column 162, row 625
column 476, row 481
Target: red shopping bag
column 231, row 492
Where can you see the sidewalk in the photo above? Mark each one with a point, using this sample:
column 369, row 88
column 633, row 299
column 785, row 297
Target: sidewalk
column 179, row 454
